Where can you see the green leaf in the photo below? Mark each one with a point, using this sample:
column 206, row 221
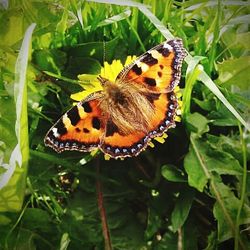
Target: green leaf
column 65, row 240
column 36, row 218
column 202, row 160
column 231, row 205
column 4, row 220
column 193, row 166
column 235, row 72
column 25, row 241
column 154, row 222
column 62, row 24
column 182, row 208
column 7, row 128
column 205, row 104
column 11, row 20
column 212, row 86
column 212, row 241
column 95, row 50
column 52, row 60
column 197, row 123
column 82, row 65
column 222, row 118
column 172, row 173
column 227, row 144
column 243, row 39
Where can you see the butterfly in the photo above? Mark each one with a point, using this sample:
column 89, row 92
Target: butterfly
column 128, row 113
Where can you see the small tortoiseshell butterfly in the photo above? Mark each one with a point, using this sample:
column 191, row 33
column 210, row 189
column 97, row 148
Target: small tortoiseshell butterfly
column 123, row 118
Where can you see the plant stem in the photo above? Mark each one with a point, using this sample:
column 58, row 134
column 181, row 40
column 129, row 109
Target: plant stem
column 180, row 245
column 105, row 228
column 243, row 189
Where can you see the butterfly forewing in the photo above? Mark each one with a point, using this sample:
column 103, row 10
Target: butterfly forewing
column 159, row 68
column 81, row 128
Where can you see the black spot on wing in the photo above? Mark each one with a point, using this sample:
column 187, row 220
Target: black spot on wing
column 149, row 60
column 136, row 69
column 73, row 115
column 96, row 123
column 77, row 130
column 49, row 135
column 87, row 108
column 111, row 128
column 159, row 73
column 85, row 130
column 61, row 127
column 164, row 51
column 150, row 81
column 152, row 97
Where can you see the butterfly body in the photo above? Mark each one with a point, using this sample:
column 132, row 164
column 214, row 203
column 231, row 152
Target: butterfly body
column 127, row 106
column 122, row 118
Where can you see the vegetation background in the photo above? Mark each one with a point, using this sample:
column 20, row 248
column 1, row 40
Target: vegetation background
column 192, row 192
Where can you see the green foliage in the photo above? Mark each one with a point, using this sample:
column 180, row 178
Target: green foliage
column 194, row 186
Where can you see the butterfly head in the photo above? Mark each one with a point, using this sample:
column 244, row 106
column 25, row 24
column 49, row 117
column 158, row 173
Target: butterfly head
column 104, row 81
column 114, row 92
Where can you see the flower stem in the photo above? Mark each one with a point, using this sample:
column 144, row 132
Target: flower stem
column 102, row 211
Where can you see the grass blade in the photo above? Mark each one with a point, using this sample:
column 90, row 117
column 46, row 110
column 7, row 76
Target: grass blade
column 13, row 180
column 192, row 74
column 119, row 2
column 112, row 19
column 157, row 23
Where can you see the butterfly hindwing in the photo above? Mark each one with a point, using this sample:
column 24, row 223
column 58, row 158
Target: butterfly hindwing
column 118, row 145
column 165, row 112
column 81, row 128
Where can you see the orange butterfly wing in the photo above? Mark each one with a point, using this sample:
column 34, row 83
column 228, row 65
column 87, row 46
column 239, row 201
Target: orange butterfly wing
column 118, row 145
column 159, row 69
column 81, row 128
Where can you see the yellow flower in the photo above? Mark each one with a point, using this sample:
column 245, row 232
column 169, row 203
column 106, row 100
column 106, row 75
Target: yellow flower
column 110, row 71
